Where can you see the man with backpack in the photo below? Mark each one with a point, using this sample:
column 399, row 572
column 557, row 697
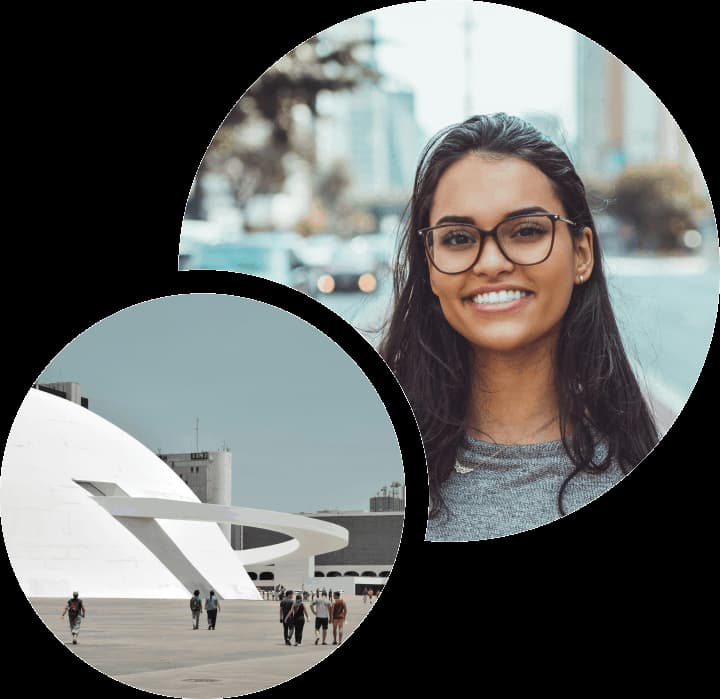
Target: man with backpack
column 196, row 608
column 76, row 612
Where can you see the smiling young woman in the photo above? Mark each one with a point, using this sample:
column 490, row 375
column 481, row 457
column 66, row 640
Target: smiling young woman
column 503, row 336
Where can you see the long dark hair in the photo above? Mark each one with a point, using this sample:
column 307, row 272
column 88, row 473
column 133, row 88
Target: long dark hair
column 598, row 393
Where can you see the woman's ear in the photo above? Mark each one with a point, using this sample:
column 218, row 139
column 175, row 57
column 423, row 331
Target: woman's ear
column 584, row 258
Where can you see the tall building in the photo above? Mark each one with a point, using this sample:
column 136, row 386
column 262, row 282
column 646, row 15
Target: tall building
column 389, row 499
column 372, row 129
column 621, row 121
column 208, row 474
column 70, row 390
column 599, row 148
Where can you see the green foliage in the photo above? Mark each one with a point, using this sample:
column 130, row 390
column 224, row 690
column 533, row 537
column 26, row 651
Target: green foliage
column 658, row 200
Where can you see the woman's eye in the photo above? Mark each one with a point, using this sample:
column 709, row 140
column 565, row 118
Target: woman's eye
column 457, row 238
column 528, row 232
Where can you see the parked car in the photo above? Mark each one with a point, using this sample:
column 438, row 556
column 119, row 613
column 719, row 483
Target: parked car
column 383, row 246
column 318, row 250
column 351, row 268
column 261, row 257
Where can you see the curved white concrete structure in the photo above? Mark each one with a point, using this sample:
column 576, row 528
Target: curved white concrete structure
column 310, row 536
column 85, row 506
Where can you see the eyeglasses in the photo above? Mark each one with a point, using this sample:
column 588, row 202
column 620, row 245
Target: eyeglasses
column 525, row 239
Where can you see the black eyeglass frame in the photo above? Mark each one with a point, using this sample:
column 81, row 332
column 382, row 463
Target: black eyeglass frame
column 492, row 233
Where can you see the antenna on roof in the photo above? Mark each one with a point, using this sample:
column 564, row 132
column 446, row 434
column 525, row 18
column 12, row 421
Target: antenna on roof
column 197, row 434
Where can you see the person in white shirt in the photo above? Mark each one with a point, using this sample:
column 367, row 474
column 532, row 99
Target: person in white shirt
column 321, row 609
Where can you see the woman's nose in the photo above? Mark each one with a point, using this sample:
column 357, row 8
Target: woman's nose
column 492, row 261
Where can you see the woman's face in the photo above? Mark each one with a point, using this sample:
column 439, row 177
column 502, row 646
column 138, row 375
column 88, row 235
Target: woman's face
column 486, row 191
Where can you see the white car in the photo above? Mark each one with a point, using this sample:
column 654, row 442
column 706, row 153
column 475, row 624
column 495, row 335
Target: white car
column 263, row 257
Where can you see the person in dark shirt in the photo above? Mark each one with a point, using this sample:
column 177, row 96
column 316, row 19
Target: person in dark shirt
column 298, row 614
column 286, row 605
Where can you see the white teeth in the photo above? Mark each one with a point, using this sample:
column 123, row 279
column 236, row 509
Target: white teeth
column 503, row 296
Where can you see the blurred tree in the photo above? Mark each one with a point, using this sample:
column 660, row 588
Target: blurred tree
column 658, row 201
column 330, row 188
column 332, row 184
column 273, row 123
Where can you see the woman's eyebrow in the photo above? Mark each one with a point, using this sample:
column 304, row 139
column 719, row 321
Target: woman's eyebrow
column 455, row 219
column 527, row 210
column 452, row 218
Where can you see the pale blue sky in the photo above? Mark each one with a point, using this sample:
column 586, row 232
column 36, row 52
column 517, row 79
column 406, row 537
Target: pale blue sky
column 519, row 61
column 305, row 425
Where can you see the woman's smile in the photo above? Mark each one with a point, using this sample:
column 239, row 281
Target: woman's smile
column 499, row 298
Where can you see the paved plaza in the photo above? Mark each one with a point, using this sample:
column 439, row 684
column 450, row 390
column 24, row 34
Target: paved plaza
column 150, row 644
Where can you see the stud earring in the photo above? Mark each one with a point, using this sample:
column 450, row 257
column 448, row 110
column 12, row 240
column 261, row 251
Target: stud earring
column 582, row 279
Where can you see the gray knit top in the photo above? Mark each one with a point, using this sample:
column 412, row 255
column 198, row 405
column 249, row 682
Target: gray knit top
column 514, row 491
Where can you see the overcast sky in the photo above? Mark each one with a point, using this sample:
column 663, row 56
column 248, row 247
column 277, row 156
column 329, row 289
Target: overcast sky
column 306, row 428
column 520, row 61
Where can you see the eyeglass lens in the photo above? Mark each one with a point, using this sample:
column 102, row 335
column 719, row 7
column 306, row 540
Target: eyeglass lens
column 525, row 241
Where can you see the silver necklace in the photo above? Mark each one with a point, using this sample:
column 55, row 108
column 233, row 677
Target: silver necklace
column 467, row 469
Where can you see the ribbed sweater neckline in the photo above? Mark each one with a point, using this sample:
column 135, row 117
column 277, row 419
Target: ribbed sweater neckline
column 473, row 449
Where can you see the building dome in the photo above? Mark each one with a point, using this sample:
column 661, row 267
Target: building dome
column 59, row 462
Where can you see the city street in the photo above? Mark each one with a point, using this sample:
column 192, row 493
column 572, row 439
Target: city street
column 666, row 310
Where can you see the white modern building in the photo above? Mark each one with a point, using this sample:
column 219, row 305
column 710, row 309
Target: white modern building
column 87, row 507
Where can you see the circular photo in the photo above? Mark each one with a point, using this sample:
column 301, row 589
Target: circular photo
column 202, row 495
column 509, row 214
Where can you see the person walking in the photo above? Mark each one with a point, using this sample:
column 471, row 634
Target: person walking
column 321, row 609
column 196, row 608
column 286, row 605
column 337, row 616
column 75, row 609
column 212, row 605
column 298, row 614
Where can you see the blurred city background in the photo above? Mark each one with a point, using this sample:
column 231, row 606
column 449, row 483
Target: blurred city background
column 307, row 179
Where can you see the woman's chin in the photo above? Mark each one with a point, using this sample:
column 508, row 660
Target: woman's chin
column 510, row 342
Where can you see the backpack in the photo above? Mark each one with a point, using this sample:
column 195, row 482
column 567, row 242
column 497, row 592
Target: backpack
column 195, row 604
column 74, row 606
